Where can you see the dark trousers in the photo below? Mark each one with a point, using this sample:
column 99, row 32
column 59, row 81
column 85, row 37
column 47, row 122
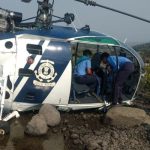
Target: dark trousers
column 103, row 78
column 121, row 77
column 89, row 80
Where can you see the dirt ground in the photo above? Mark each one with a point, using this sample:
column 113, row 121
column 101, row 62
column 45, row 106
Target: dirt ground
column 81, row 130
column 87, row 131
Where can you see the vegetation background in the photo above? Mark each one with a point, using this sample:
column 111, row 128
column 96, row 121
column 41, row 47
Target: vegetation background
column 144, row 51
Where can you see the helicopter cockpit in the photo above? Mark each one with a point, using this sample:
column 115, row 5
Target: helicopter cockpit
column 98, row 45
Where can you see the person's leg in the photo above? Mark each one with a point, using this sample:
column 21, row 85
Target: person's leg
column 118, row 85
column 92, row 82
column 89, row 80
column 98, row 88
column 120, row 79
column 103, row 78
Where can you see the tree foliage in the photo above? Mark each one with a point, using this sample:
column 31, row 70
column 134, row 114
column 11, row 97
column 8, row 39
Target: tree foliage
column 144, row 51
column 147, row 77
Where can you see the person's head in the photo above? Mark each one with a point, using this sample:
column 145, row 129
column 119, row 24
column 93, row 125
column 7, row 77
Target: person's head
column 104, row 57
column 87, row 52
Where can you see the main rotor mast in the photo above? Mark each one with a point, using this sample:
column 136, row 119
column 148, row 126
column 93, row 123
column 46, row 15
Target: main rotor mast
column 44, row 14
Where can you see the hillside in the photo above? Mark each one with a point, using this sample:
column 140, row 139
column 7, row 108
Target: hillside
column 142, row 47
column 144, row 51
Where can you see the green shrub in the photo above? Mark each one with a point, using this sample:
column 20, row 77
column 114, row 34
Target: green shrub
column 147, row 78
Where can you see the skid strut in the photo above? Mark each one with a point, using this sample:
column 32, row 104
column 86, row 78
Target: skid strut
column 3, row 85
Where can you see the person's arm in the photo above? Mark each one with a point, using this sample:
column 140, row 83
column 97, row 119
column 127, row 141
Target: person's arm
column 89, row 69
column 112, row 63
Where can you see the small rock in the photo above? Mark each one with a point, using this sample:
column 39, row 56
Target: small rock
column 104, row 144
column 74, row 136
column 84, row 117
column 64, row 129
column 115, row 135
column 82, row 113
column 76, row 141
column 66, row 121
column 55, row 130
column 93, row 145
column 98, row 133
column 147, row 120
column 51, row 114
column 86, row 125
column 37, row 126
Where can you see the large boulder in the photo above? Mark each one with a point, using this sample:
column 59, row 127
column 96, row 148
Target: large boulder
column 147, row 120
column 51, row 114
column 125, row 117
column 37, row 126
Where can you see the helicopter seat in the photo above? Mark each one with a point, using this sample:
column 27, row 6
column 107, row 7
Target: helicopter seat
column 79, row 89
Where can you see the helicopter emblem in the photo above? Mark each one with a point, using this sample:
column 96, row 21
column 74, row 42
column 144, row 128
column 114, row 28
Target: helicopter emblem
column 45, row 74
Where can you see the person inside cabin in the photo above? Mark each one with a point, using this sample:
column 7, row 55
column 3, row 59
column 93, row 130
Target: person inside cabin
column 83, row 73
column 122, row 67
column 99, row 69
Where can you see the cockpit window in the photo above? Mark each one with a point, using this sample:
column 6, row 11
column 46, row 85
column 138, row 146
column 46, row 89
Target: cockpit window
column 99, row 40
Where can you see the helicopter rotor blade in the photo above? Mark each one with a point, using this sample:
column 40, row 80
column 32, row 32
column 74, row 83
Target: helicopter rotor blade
column 93, row 3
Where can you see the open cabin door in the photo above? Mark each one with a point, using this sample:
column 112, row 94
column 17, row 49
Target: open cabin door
column 107, row 80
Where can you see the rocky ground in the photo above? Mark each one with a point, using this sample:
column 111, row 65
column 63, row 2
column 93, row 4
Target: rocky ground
column 87, row 131
column 81, row 130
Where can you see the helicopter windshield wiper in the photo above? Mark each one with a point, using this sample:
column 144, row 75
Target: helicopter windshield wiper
column 93, row 3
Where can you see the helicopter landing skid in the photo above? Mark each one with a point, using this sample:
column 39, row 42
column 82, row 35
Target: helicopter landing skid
column 11, row 115
column 4, row 125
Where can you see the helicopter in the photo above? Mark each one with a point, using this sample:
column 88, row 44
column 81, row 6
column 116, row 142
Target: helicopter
column 38, row 57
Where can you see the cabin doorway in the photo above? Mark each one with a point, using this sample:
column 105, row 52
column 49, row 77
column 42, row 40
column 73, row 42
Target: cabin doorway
column 106, row 84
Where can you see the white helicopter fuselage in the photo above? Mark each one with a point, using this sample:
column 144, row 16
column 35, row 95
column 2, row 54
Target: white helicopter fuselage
column 16, row 58
column 48, row 79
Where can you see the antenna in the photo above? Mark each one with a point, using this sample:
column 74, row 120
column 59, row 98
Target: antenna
column 125, row 40
column 93, row 3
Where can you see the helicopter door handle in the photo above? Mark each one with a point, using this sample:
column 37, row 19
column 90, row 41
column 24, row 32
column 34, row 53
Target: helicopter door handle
column 25, row 72
column 34, row 49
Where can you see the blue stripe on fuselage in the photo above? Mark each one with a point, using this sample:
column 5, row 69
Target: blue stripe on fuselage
column 25, row 67
column 60, row 54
